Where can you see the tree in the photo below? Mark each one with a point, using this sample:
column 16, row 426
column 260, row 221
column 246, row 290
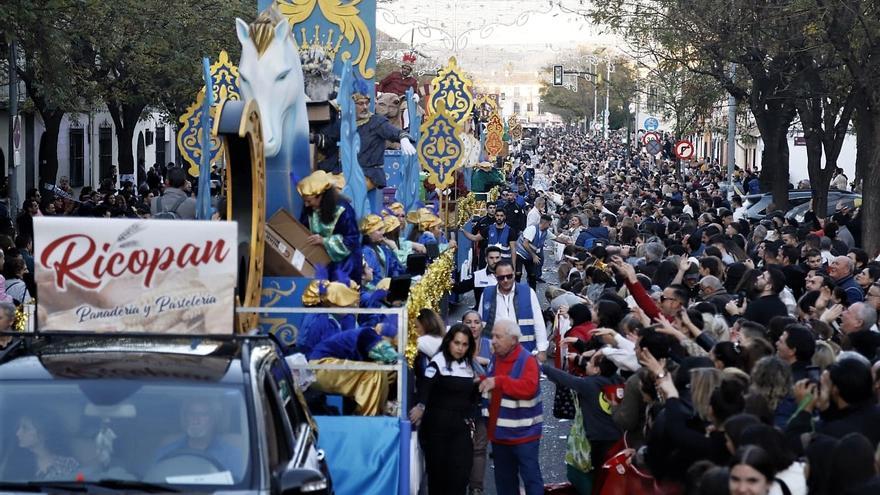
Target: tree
column 685, row 98
column 851, row 27
column 825, row 105
column 715, row 34
column 150, row 56
column 571, row 106
column 45, row 36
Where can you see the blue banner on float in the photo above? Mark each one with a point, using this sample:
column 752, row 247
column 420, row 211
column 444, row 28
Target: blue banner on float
column 374, row 441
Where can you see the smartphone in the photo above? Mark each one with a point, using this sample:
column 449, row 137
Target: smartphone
column 740, row 297
column 813, row 374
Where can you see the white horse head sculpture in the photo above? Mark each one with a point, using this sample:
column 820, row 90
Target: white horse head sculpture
column 270, row 73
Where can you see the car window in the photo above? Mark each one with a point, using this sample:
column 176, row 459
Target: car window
column 185, row 435
column 277, row 430
column 289, row 396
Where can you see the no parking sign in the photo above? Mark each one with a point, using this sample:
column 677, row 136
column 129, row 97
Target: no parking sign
column 684, row 150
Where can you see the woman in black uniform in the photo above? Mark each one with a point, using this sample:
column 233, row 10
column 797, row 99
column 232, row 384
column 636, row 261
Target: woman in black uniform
column 446, row 408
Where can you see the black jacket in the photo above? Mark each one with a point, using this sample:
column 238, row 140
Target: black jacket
column 764, row 308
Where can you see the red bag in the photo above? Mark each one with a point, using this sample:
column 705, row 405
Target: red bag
column 619, row 477
column 559, row 489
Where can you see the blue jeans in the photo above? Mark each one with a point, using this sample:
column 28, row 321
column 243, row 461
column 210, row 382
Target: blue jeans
column 513, row 462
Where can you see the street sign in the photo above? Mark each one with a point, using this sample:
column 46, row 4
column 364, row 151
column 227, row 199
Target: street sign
column 650, row 136
column 16, row 140
column 684, row 150
column 557, row 75
column 652, row 124
column 653, row 147
column 597, row 126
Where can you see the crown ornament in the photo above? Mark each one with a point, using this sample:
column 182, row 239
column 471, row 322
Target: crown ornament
column 328, row 47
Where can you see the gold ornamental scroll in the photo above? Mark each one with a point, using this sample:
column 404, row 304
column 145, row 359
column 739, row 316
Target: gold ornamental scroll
column 237, row 123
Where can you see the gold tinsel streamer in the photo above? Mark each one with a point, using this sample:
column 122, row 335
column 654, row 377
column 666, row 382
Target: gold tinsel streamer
column 494, row 193
column 465, row 209
column 21, row 318
column 426, row 293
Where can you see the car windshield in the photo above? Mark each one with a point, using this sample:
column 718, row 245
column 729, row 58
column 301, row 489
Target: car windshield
column 182, row 435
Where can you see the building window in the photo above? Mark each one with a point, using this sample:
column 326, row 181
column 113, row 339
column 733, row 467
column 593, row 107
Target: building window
column 77, row 157
column 105, row 152
column 529, row 107
column 516, row 107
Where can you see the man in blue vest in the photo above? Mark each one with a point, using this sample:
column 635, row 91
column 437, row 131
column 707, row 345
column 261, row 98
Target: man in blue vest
column 499, row 233
column 517, row 302
column 512, row 402
column 529, row 250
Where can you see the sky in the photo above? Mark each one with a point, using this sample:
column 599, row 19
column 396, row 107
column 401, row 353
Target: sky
column 522, row 35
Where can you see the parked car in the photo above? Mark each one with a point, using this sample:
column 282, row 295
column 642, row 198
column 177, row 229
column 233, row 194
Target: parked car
column 843, row 198
column 757, row 204
column 147, row 414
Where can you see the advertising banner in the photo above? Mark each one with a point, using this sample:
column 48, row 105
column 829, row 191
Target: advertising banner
column 135, row 276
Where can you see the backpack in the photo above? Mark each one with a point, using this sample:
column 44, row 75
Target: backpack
column 171, row 214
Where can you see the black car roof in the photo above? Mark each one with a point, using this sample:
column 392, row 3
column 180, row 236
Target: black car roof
column 60, row 357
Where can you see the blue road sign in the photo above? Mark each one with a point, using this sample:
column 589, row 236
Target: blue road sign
column 652, row 124
column 653, row 147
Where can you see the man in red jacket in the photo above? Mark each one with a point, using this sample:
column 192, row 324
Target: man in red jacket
column 515, row 412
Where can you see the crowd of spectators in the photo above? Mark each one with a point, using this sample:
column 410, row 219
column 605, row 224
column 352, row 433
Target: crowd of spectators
column 710, row 353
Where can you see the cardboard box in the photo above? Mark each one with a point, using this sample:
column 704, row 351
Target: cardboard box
column 318, row 111
column 287, row 251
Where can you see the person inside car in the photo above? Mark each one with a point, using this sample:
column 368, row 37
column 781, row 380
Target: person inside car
column 200, row 423
column 37, row 432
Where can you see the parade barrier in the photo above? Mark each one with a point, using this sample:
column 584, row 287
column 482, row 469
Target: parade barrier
column 366, row 455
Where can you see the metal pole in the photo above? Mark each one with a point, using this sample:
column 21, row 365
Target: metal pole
column 595, row 93
column 628, row 137
column 607, row 97
column 731, row 132
column 13, row 111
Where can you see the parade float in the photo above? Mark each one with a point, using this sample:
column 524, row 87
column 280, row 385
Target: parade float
column 302, row 63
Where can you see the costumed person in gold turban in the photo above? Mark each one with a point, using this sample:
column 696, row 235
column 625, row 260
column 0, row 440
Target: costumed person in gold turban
column 318, row 327
column 333, row 224
column 369, row 389
column 377, row 254
column 394, row 238
column 429, row 229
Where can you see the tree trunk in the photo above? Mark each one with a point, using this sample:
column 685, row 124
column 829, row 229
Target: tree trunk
column 125, row 118
column 820, row 179
column 774, row 165
column 870, row 210
column 865, row 140
column 48, row 156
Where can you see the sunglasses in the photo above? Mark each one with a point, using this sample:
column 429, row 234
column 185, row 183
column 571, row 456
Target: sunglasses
column 504, row 277
column 665, row 298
